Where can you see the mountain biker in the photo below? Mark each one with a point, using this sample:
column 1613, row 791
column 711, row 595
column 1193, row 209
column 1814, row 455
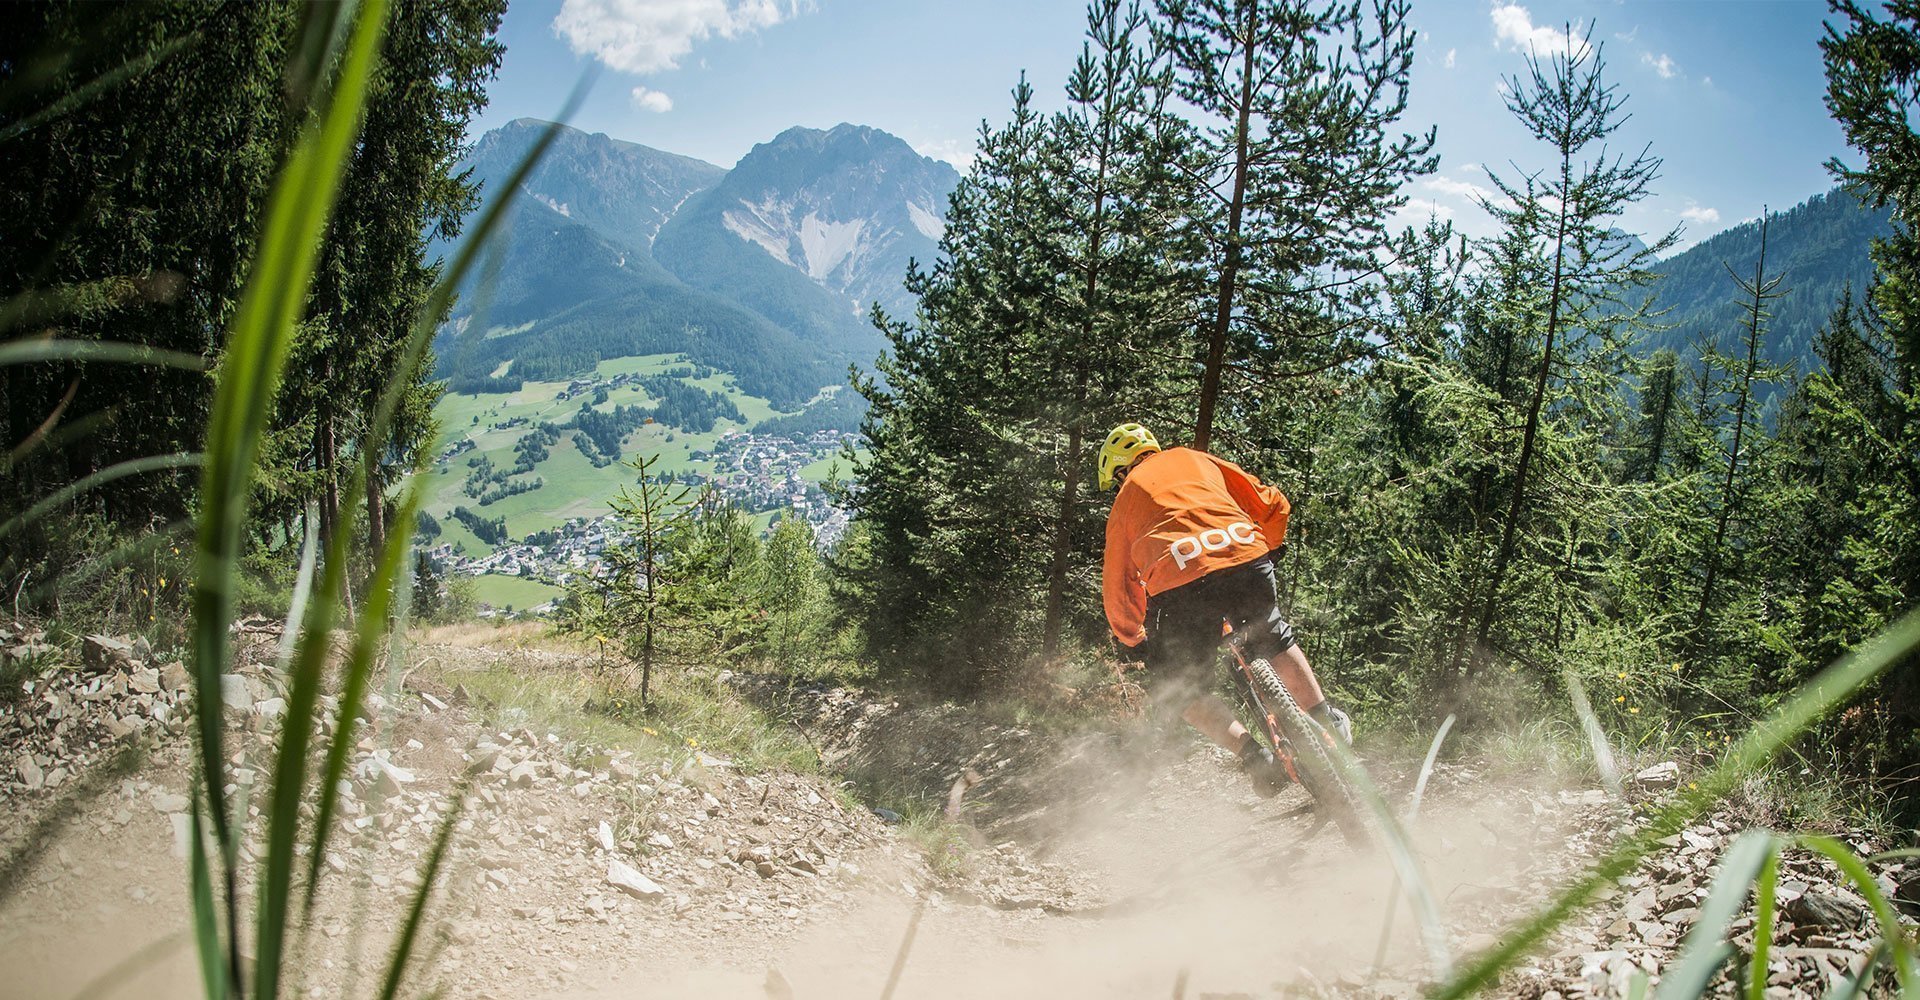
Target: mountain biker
column 1190, row 541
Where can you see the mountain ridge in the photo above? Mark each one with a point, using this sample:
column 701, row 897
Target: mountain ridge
column 615, row 248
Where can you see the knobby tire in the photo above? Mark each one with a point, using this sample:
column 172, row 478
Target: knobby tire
column 1313, row 759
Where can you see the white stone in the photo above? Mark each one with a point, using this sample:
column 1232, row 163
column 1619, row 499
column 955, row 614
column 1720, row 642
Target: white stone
column 234, row 692
column 182, row 833
column 1663, row 773
column 627, row 879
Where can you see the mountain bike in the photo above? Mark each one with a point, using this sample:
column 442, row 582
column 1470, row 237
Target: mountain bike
column 1300, row 744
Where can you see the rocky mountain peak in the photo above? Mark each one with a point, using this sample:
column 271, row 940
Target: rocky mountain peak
column 846, row 206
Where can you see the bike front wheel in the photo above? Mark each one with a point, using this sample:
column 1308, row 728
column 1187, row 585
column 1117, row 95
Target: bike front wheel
column 1313, row 756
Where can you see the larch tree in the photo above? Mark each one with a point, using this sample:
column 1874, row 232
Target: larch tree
column 1587, row 267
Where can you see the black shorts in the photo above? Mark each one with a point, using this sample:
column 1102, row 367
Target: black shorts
column 1183, row 628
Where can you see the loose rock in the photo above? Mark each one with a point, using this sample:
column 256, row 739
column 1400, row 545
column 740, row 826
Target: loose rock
column 627, row 879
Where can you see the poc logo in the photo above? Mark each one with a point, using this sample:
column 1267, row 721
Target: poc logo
column 1187, row 549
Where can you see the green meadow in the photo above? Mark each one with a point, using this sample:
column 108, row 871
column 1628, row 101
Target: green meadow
column 514, row 592
column 570, row 484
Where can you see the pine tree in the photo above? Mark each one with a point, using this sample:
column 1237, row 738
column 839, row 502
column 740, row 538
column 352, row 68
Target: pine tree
column 947, row 490
column 1872, row 70
column 402, row 193
column 130, row 218
column 793, row 596
column 625, row 603
column 1130, row 272
column 1298, row 167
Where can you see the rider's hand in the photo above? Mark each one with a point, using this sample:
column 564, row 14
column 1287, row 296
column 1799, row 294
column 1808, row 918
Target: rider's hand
column 1135, row 653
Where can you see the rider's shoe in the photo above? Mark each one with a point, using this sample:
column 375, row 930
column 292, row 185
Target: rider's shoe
column 1335, row 721
column 1269, row 775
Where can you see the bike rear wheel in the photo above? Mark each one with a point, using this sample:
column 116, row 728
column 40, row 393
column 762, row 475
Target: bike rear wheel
column 1313, row 756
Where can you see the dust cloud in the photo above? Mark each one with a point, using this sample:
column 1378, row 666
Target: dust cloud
column 1186, row 884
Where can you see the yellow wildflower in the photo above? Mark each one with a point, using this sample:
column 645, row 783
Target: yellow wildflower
column 1635, row 710
column 1621, row 698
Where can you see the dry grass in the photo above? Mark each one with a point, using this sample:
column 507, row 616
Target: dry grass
column 525, row 674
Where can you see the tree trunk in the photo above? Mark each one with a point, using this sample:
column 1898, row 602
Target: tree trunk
column 1230, row 262
column 1063, row 536
column 1739, row 428
column 1517, row 506
column 326, row 454
column 376, row 513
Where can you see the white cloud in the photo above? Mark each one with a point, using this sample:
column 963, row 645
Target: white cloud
column 1701, row 214
column 1513, row 26
column 648, row 36
column 1456, row 189
column 1450, row 55
column 1418, row 210
column 1662, row 64
column 959, row 152
column 652, row 100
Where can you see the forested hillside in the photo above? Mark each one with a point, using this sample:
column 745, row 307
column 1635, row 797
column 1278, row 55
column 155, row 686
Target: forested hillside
column 121, row 232
column 1819, row 248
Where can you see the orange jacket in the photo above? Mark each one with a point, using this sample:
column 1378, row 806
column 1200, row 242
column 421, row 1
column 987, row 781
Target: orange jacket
column 1180, row 515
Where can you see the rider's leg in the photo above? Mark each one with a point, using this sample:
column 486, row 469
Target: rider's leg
column 1298, row 676
column 1215, row 721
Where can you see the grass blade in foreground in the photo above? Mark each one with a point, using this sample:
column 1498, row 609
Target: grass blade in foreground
column 1413, row 815
column 1899, row 948
column 121, row 470
column 1812, row 700
column 326, row 154
column 249, row 376
column 1764, row 891
column 1596, row 737
column 410, row 933
column 1406, row 863
column 32, row 349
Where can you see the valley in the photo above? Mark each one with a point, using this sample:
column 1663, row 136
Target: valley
column 512, row 466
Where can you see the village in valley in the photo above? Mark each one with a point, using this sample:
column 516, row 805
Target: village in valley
column 759, row 473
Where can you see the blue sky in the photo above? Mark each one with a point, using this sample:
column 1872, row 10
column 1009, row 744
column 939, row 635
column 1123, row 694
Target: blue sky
column 1726, row 92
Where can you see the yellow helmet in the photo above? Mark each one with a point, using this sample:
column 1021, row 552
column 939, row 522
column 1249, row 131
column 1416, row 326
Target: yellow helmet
column 1125, row 444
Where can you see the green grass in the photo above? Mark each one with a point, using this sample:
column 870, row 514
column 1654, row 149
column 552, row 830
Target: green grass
column 817, row 472
column 585, row 703
column 518, row 592
column 571, row 485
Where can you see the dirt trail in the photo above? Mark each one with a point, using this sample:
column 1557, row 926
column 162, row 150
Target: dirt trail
column 1112, row 864
column 1179, row 875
